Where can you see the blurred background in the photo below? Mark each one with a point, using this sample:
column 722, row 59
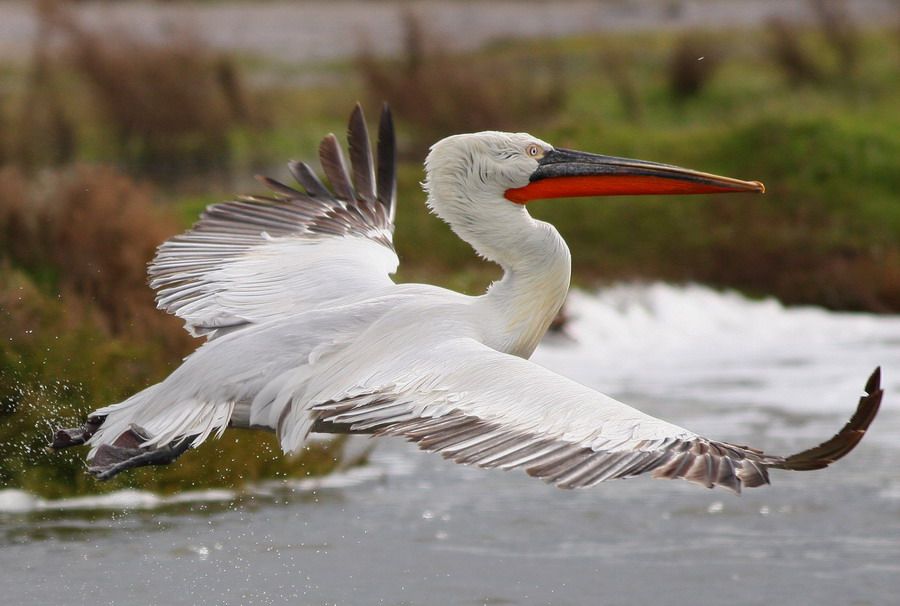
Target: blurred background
column 120, row 121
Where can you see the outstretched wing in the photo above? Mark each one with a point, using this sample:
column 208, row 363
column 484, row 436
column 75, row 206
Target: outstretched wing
column 260, row 258
column 480, row 407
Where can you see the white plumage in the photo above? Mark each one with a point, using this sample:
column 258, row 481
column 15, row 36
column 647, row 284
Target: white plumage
column 307, row 332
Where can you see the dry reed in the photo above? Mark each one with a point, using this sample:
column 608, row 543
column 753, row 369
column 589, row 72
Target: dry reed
column 439, row 93
column 87, row 235
column 618, row 67
column 168, row 100
column 692, row 65
column 788, row 53
column 840, row 32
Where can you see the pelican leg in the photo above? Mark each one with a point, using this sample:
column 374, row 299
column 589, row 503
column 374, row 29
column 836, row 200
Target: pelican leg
column 76, row 436
column 126, row 453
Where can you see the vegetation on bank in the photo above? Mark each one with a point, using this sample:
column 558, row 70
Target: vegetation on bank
column 79, row 329
column 88, row 188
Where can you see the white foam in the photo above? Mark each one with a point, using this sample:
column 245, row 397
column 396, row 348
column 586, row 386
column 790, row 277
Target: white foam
column 696, row 343
column 18, row 501
column 345, row 479
column 13, row 500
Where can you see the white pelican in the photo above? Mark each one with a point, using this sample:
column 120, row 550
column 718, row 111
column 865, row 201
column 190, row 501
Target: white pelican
column 306, row 332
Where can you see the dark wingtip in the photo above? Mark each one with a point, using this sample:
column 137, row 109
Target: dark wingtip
column 387, row 161
column 277, row 186
column 361, row 155
column 874, row 382
column 335, row 167
column 847, row 438
column 306, row 177
column 386, row 113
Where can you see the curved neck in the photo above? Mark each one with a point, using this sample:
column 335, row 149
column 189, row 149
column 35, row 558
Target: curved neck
column 516, row 310
column 533, row 289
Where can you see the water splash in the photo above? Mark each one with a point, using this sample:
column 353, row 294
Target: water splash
column 698, row 344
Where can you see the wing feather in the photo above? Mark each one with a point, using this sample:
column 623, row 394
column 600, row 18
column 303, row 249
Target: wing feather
column 335, row 167
column 361, row 156
column 306, row 177
column 265, row 257
column 489, row 409
column 387, row 159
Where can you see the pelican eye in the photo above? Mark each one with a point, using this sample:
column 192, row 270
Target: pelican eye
column 534, row 150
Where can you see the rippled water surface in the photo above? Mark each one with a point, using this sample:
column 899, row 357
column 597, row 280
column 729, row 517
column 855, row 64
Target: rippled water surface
column 414, row 529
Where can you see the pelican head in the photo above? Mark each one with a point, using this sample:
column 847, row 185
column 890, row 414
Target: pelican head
column 467, row 176
column 480, row 182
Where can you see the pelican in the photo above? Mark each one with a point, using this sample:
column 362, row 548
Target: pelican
column 306, row 332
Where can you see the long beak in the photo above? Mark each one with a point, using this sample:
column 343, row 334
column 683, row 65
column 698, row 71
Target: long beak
column 565, row 173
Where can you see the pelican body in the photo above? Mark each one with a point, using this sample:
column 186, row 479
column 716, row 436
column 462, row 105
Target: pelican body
column 306, row 332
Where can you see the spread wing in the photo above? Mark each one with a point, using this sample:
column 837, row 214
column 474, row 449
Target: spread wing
column 260, row 258
column 480, row 407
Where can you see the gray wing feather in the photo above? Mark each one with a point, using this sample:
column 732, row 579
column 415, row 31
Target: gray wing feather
column 361, row 156
column 199, row 274
column 468, row 440
column 387, row 160
column 306, row 177
column 487, row 409
column 335, row 167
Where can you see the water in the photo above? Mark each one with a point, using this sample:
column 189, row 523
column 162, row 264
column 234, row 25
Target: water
column 414, row 529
